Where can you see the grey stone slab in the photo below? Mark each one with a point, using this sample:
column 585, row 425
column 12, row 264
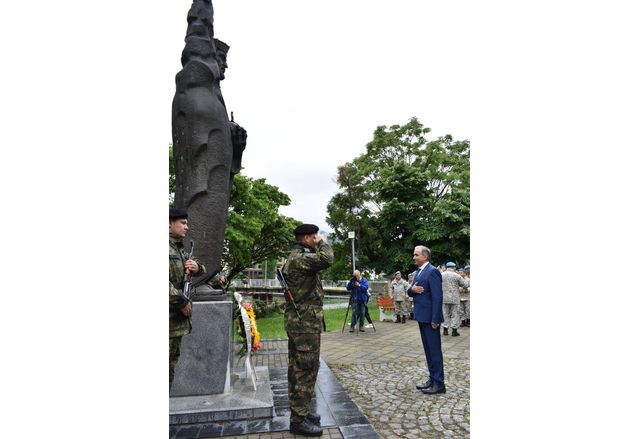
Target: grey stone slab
column 233, row 428
column 359, row 432
column 241, row 404
column 211, row 430
column 205, row 354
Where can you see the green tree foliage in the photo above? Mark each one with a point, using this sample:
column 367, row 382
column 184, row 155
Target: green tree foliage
column 406, row 190
column 255, row 231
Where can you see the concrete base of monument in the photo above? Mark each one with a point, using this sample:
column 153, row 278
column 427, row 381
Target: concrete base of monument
column 205, row 358
column 241, row 403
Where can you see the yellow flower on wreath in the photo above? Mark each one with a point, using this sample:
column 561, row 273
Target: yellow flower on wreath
column 255, row 335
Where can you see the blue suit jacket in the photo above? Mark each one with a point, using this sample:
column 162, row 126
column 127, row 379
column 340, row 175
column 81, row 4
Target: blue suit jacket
column 427, row 307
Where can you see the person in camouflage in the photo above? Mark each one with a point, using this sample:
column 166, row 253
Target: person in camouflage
column 179, row 306
column 409, row 301
column 310, row 255
column 399, row 288
column 465, row 299
column 451, row 284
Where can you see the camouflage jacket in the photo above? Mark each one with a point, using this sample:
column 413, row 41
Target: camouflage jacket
column 399, row 290
column 451, row 284
column 178, row 323
column 464, row 295
column 302, row 273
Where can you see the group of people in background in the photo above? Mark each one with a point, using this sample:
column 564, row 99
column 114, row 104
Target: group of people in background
column 456, row 297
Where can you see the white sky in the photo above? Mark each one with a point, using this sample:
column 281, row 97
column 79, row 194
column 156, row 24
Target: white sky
column 310, row 81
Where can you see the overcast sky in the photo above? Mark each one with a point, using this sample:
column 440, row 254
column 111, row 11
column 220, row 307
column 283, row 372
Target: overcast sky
column 310, row 82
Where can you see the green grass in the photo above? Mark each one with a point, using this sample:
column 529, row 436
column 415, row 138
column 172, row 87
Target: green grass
column 272, row 326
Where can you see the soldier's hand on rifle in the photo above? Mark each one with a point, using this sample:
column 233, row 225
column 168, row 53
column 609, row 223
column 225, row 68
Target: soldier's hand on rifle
column 186, row 311
column 190, row 266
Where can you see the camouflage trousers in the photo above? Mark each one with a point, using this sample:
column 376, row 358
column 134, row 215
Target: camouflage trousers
column 174, row 355
column 401, row 308
column 465, row 309
column 451, row 313
column 304, row 362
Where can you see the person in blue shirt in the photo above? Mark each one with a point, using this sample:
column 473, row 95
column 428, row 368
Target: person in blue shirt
column 358, row 286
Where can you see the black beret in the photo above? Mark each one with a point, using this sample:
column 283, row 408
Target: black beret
column 306, row 229
column 177, row 214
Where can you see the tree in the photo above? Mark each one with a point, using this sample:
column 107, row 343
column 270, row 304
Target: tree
column 404, row 191
column 254, row 231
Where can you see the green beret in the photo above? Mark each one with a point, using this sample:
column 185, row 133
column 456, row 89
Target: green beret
column 175, row 214
column 306, row 229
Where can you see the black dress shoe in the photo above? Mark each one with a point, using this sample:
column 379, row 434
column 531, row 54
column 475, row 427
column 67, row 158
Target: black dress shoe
column 435, row 388
column 351, row 330
column 425, row 385
column 305, row 428
column 361, row 329
column 314, row 418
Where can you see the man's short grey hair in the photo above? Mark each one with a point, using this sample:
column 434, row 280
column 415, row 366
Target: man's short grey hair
column 425, row 251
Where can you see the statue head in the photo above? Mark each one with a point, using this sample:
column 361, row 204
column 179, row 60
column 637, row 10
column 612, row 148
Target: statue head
column 222, row 49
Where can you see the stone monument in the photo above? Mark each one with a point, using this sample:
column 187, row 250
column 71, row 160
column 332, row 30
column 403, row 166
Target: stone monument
column 204, row 139
column 207, row 152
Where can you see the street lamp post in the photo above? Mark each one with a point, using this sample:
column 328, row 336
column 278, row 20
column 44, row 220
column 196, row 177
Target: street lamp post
column 352, row 237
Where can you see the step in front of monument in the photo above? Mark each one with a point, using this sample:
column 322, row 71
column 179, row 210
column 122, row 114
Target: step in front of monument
column 242, row 403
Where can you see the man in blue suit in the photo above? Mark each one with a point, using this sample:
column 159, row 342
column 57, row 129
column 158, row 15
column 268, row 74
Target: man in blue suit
column 426, row 290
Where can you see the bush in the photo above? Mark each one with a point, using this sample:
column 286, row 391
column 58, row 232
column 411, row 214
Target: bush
column 260, row 307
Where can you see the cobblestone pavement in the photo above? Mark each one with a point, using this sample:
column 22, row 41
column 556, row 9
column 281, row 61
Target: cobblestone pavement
column 379, row 371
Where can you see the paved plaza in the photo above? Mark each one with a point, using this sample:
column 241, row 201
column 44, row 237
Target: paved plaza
column 376, row 370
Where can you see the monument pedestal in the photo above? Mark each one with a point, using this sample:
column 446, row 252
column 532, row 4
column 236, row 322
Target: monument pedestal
column 204, row 367
column 204, row 389
column 241, row 403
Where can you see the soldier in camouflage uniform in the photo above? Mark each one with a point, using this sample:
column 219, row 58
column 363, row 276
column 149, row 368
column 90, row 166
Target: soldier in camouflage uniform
column 465, row 298
column 179, row 306
column 399, row 289
column 451, row 284
column 309, row 256
column 409, row 301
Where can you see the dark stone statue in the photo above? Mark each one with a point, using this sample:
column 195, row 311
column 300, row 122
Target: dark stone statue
column 207, row 146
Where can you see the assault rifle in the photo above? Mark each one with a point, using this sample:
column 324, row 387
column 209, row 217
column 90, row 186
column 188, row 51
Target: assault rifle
column 187, row 287
column 287, row 291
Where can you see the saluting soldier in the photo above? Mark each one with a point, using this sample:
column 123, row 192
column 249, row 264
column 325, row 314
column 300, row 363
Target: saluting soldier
column 399, row 288
column 179, row 306
column 310, row 255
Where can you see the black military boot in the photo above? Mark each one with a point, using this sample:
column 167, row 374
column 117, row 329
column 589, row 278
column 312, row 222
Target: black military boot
column 397, row 319
column 314, row 418
column 305, row 428
column 445, row 331
column 410, row 316
column 468, row 323
column 454, row 332
column 404, row 319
